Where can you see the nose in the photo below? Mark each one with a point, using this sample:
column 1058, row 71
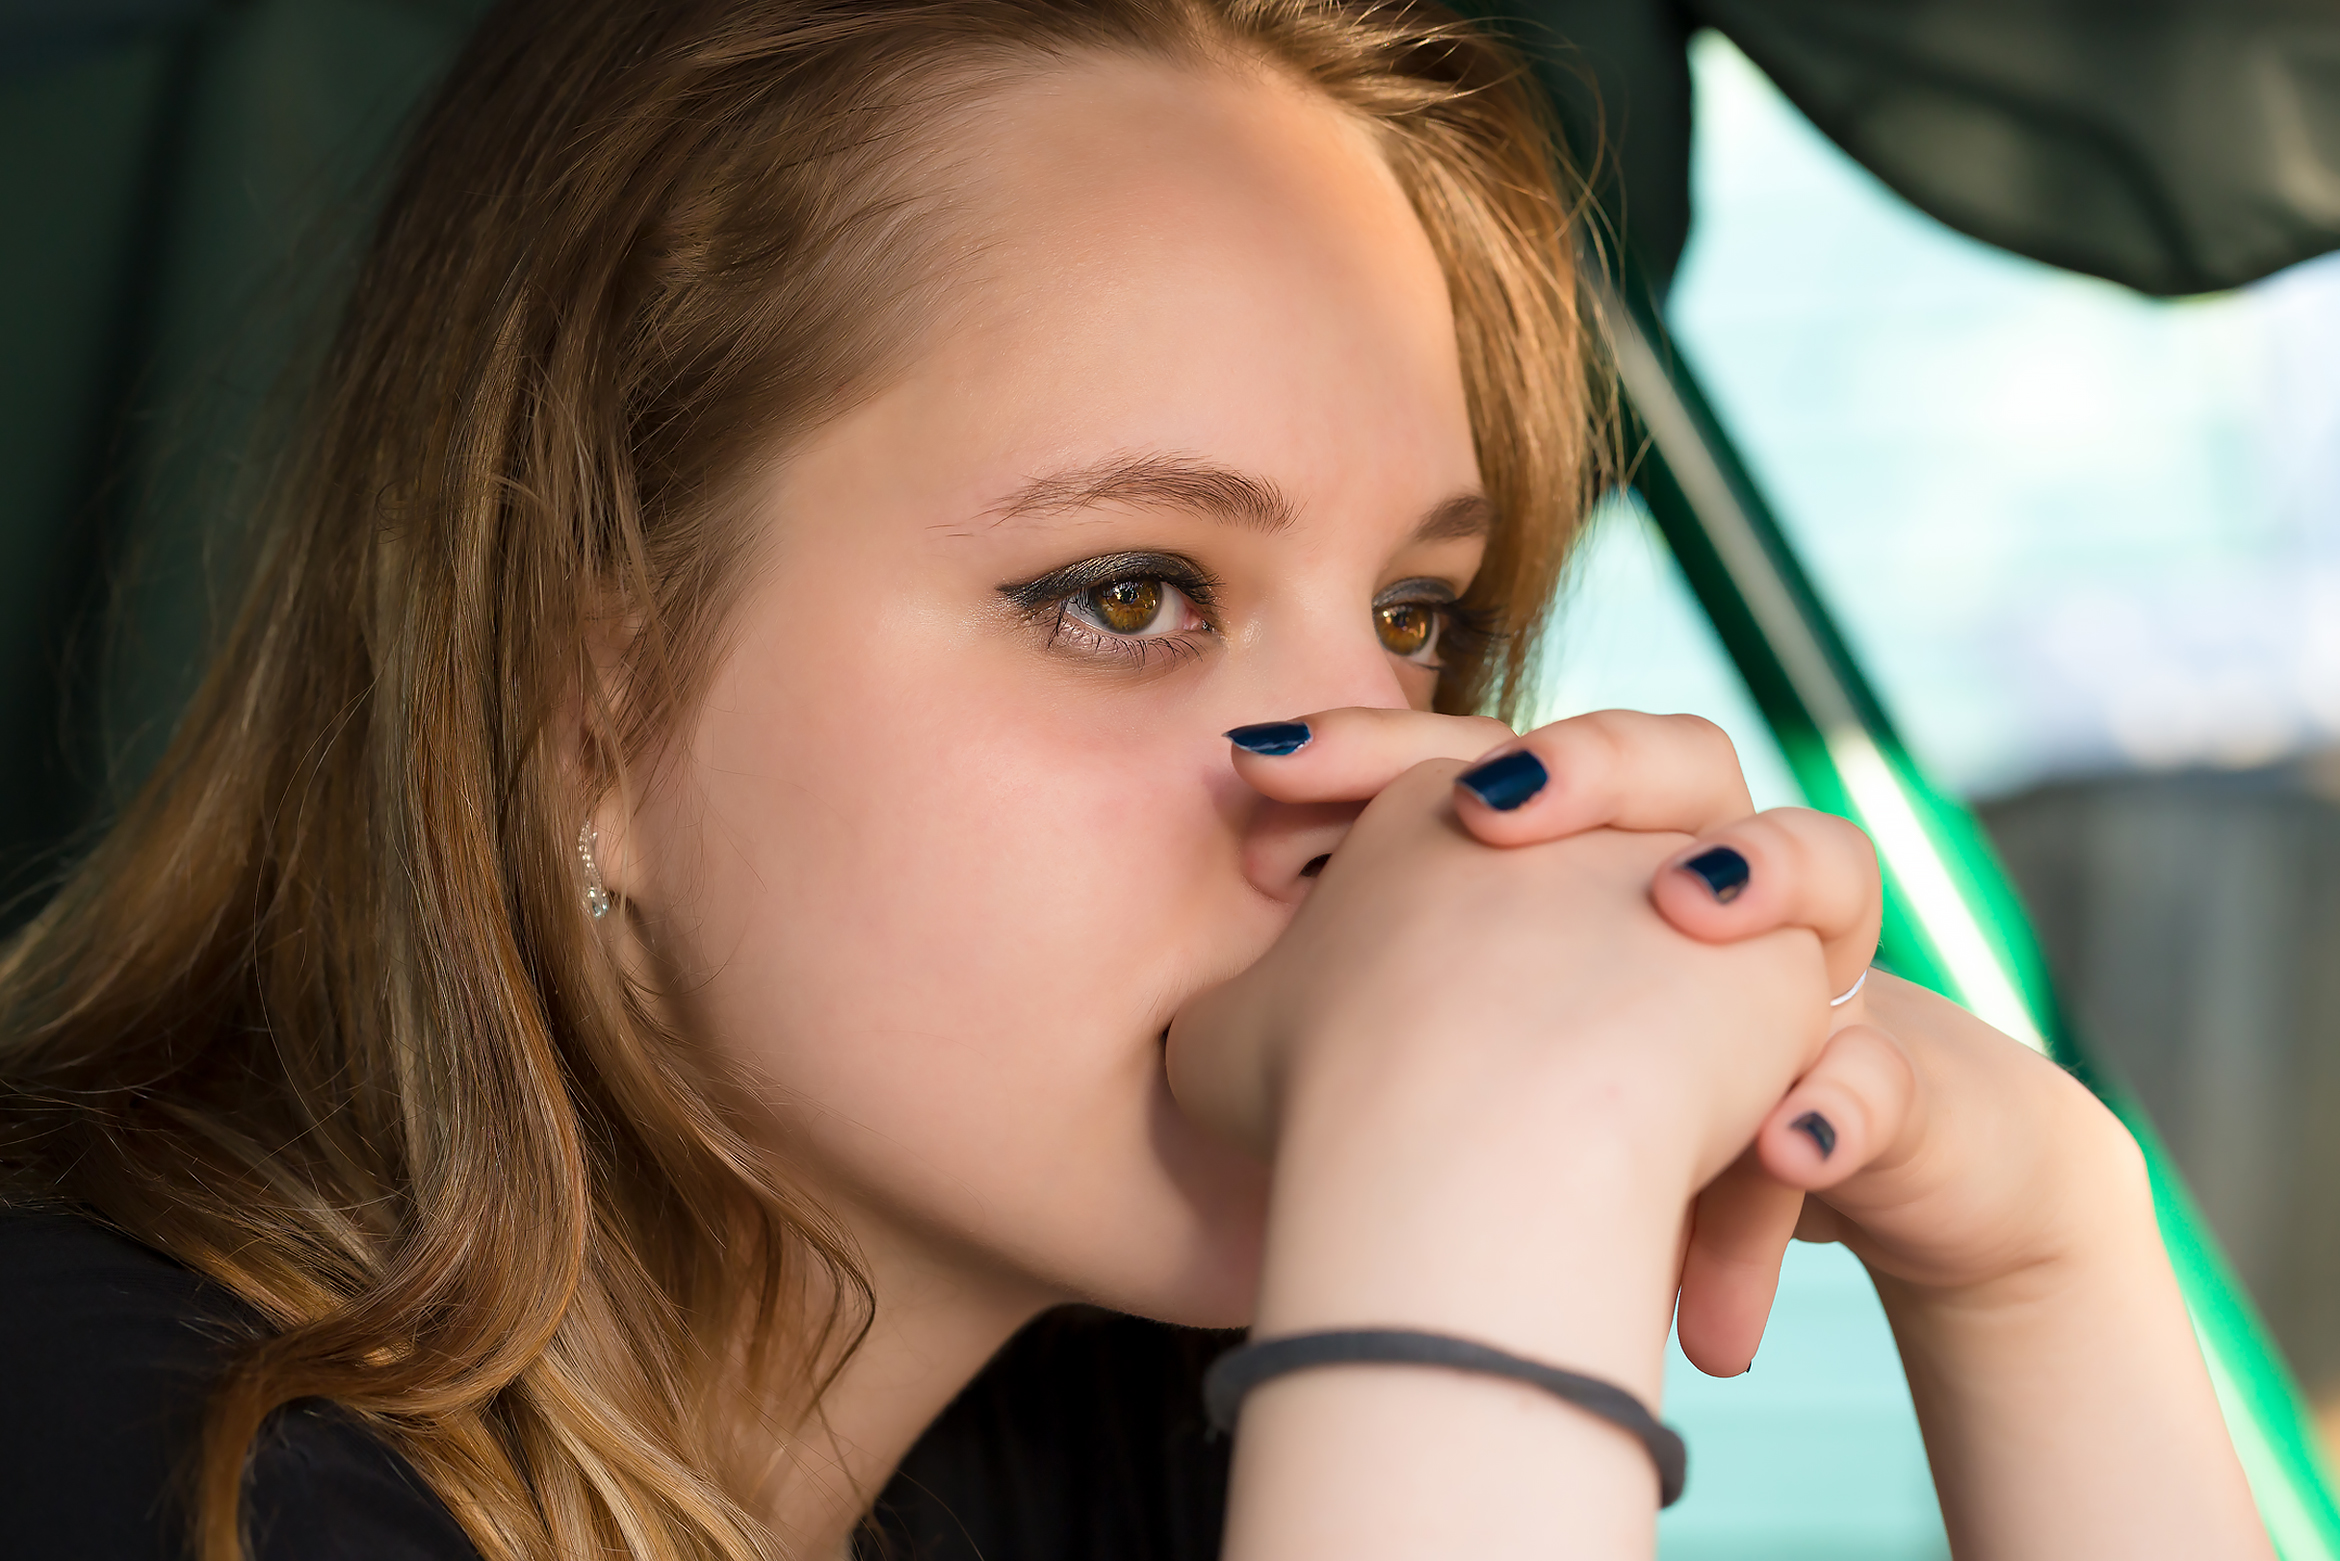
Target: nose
column 1286, row 844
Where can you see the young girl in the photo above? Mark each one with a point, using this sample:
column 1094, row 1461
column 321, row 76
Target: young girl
column 858, row 724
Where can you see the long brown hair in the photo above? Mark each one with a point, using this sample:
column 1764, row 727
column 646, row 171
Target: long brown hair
column 323, row 1015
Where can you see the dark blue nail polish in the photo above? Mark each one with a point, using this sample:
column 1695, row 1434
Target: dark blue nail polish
column 1503, row 783
column 1273, row 738
column 1815, row 1127
column 1724, row 870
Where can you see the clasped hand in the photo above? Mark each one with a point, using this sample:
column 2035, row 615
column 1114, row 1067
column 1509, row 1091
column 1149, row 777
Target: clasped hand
column 1467, row 982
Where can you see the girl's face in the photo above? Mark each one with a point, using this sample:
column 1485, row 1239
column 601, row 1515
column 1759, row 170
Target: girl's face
column 955, row 832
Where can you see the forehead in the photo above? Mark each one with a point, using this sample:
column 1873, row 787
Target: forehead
column 1209, row 261
column 1083, row 150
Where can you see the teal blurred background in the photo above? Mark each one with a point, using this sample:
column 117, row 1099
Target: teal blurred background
column 2088, row 545
column 2069, row 528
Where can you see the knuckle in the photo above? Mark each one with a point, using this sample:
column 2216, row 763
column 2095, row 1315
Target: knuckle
column 1606, row 729
column 1868, row 1064
column 1587, row 752
column 1821, row 846
column 1486, row 727
column 1879, row 1050
column 1849, row 835
column 1607, row 746
column 1696, row 731
column 1850, row 858
column 1840, row 837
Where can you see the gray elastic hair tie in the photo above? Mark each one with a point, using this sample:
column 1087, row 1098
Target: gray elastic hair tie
column 1237, row 1372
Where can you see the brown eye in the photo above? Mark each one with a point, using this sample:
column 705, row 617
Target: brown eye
column 1126, row 606
column 1406, row 628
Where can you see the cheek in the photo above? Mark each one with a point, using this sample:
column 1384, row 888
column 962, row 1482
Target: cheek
column 941, row 903
column 931, row 850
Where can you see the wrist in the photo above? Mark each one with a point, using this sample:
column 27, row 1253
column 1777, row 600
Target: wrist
column 1546, row 1232
column 2106, row 1242
column 2066, row 1406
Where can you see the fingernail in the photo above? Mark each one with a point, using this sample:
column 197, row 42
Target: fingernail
column 1724, row 870
column 1815, row 1127
column 1273, row 738
column 1503, row 783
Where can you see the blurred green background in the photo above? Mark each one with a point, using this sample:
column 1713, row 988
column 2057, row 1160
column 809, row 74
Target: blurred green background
column 2087, row 543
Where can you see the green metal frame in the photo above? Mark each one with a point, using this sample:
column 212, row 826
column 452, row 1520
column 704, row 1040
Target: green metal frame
column 1952, row 919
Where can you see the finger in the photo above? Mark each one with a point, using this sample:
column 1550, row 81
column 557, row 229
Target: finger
column 1789, row 867
column 1739, row 1233
column 1849, row 1111
column 1350, row 755
column 1217, row 1066
column 1819, row 1224
column 1617, row 769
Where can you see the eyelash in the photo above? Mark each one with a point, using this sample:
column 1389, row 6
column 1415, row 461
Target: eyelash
column 1049, row 600
column 1463, row 633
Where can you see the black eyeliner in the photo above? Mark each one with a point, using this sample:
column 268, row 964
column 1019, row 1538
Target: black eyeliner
column 1466, row 631
column 1058, row 585
column 1423, row 589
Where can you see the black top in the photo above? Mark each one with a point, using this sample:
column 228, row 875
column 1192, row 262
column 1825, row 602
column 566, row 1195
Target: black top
column 107, row 1353
column 1083, row 1439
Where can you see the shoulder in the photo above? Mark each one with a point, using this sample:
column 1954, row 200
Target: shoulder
column 109, row 1351
column 1084, row 1437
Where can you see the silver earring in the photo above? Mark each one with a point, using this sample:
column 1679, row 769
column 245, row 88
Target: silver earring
column 596, row 897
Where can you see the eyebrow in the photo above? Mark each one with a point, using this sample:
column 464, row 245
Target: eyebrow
column 1460, row 518
column 1153, row 481
column 1232, row 497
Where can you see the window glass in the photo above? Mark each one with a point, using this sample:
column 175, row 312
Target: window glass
column 2068, row 529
